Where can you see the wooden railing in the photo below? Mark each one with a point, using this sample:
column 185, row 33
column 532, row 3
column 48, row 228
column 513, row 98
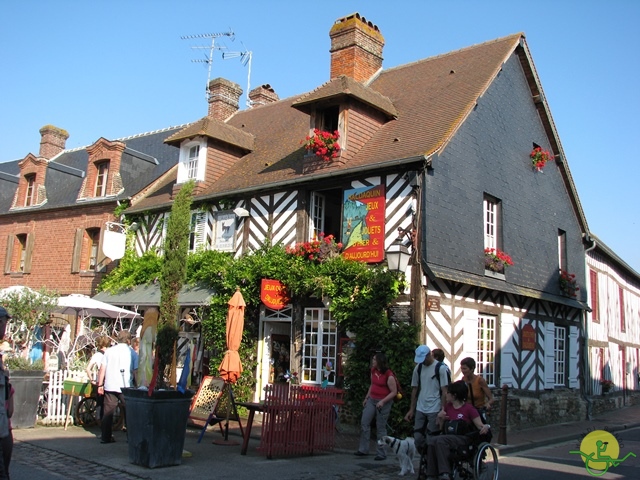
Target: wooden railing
column 299, row 420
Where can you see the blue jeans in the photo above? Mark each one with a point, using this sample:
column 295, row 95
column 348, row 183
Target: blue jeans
column 382, row 415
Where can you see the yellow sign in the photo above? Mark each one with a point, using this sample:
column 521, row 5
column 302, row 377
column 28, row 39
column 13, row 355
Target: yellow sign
column 600, row 451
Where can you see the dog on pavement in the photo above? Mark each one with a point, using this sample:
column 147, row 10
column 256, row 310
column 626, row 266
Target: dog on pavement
column 404, row 449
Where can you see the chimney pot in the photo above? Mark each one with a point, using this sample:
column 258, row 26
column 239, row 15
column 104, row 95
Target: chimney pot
column 52, row 141
column 356, row 48
column 224, row 98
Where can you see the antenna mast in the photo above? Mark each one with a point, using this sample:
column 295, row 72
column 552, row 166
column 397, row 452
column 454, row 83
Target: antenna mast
column 245, row 59
column 208, row 59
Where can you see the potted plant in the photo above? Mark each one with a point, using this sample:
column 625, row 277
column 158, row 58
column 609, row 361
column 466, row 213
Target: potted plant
column 157, row 419
column 323, row 144
column 539, row 158
column 568, row 284
column 496, row 260
column 606, row 385
column 29, row 310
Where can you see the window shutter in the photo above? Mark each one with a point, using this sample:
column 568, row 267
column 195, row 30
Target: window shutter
column 199, row 232
column 549, row 355
column 509, row 347
column 77, row 251
column 100, row 260
column 31, row 238
column 7, row 260
column 574, row 357
column 470, row 334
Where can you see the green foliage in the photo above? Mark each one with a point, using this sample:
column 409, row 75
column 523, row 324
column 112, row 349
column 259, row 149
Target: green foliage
column 173, row 276
column 30, row 307
column 360, row 296
column 133, row 271
column 15, row 364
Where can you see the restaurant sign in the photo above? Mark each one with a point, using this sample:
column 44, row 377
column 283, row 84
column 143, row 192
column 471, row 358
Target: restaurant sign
column 363, row 224
column 273, row 294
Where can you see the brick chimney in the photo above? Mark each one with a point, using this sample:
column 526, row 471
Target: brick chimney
column 224, row 97
column 356, row 48
column 52, row 142
column 262, row 95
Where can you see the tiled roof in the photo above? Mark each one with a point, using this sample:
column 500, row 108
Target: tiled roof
column 347, row 87
column 429, row 100
column 214, row 129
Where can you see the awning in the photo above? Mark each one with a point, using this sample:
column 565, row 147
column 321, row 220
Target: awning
column 149, row 296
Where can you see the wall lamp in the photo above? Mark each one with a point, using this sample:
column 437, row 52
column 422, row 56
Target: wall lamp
column 241, row 212
column 398, row 254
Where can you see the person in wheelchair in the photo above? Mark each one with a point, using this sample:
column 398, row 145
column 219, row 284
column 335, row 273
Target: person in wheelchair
column 457, row 420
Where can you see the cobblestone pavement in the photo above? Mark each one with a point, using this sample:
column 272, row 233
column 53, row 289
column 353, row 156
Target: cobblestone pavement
column 60, row 465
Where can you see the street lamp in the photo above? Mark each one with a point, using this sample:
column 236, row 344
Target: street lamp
column 398, row 254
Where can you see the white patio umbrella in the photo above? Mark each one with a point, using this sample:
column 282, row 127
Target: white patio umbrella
column 82, row 305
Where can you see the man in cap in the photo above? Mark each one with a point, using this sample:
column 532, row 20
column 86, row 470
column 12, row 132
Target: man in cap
column 427, row 395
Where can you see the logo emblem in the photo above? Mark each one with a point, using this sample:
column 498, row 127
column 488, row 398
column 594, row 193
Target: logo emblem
column 600, row 451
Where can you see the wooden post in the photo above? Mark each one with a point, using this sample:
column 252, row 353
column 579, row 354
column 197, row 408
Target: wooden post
column 66, row 419
column 502, row 435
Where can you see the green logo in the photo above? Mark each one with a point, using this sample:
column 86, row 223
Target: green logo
column 600, row 450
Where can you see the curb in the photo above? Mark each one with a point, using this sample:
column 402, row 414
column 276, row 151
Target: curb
column 505, row 450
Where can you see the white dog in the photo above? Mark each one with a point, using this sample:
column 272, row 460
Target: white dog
column 405, row 450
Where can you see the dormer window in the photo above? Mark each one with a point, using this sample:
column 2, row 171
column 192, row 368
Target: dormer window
column 29, row 198
column 193, row 159
column 327, row 119
column 101, row 178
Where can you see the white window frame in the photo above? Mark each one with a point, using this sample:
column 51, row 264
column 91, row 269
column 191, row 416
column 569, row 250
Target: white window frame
column 317, row 212
column 559, row 355
column 30, row 195
column 486, row 353
column 192, row 168
column 320, row 344
column 491, row 217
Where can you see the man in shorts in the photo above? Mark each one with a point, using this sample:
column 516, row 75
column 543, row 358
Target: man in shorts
column 427, row 395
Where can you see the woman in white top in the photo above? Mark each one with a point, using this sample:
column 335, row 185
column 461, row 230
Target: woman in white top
column 94, row 367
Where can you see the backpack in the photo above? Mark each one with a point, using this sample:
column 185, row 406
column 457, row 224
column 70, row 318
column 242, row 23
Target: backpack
column 399, row 393
column 436, row 376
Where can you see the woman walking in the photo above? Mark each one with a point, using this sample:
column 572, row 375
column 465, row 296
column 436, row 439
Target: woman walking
column 377, row 403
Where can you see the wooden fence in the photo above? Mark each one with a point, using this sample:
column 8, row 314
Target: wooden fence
column 299, row 420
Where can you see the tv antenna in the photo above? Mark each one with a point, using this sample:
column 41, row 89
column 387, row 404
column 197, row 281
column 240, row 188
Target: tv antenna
column 245, row 59
column 208, row 58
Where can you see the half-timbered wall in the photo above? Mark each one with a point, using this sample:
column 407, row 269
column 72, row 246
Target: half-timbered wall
column 613, row 354
column 454, row 328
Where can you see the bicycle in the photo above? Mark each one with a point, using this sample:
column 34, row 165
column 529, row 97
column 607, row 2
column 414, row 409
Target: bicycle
column 87, row 413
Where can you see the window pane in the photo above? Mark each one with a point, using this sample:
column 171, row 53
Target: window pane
column 320, row 344
column 192, row 162
column 559, row 352
column 485, row 363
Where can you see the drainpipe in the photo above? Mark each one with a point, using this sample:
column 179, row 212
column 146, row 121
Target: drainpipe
column 585, row 332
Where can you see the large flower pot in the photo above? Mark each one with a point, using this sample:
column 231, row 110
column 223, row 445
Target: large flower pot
column 156, row 426
column 27, row 385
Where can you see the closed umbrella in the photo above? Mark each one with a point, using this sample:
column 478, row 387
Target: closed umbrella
column 231, row 367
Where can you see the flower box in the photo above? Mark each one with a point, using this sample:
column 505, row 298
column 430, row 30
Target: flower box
column 495, row 260
column 323, row 144
column 539, row 158
column 567, row 283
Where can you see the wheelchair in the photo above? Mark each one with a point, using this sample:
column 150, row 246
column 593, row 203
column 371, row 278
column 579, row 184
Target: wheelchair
column 476, row 461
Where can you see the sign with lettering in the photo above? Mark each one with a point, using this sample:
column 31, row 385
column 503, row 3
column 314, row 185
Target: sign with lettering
column 273, row 294
column 363, row 224
column 433, row 304
column 528, row 338
column 400, row 313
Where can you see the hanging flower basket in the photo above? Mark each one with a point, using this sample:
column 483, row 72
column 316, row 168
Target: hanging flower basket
column 539, row 158
column 323, row 144
column 496, row 260
column 568, row 284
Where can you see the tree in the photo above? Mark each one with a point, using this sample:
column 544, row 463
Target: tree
column 173, row 277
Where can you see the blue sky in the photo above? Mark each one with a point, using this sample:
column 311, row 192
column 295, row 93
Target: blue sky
column 118, row 68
